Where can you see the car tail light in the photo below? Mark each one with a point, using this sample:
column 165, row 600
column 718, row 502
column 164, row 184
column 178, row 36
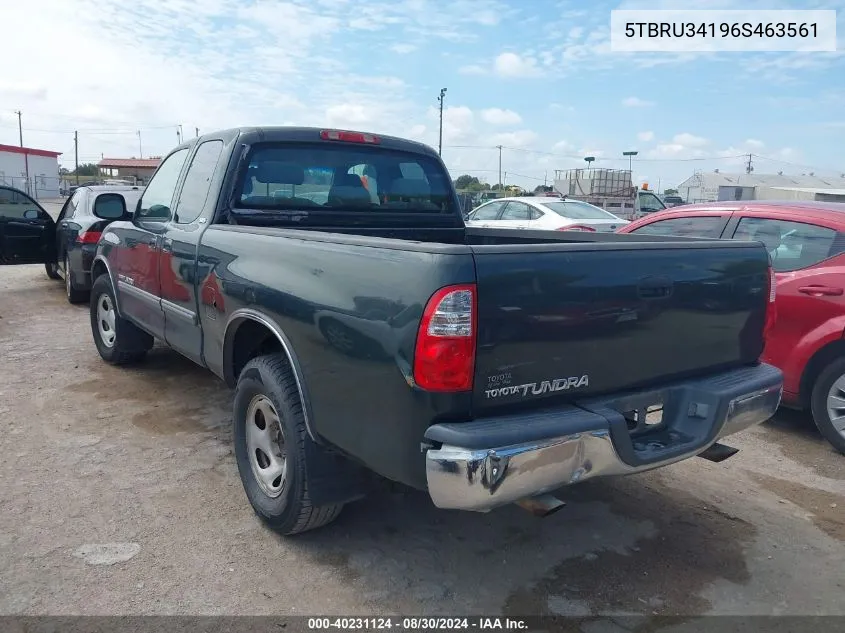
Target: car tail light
column 349, row 137
column 771, row 306
column 88, row 237
column 577, row 227
column 444, row 358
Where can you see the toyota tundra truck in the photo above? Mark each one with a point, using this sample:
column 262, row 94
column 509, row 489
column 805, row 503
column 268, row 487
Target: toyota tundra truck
column 327, row 277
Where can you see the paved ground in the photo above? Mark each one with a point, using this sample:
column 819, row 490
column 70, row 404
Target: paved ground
column 120, row 495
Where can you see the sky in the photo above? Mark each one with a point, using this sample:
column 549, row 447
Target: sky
column 537, row 77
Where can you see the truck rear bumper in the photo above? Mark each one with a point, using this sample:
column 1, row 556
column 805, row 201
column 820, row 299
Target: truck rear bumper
column 487, row 463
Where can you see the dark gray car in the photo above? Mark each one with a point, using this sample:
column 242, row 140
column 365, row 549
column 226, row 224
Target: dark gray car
column 78, row 228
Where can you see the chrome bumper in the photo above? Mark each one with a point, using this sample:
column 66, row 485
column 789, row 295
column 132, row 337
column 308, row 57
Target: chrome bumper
column 481, row 479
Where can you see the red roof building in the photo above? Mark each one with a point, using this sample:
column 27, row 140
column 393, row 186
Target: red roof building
column 138, row 169
column 132, row 163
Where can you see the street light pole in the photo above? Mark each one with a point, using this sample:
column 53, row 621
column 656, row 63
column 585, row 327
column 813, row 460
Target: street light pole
column 630, row 156
column 440, row 99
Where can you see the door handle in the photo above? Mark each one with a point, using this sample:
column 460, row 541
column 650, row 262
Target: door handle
column 827, row 291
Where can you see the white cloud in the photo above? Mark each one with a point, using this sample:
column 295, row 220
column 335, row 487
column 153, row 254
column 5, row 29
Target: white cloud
column 689, row 140
column 645, row 137
column 513, row 65
column 403, row 49
column 497, row 116
column 348, row 115
column 754, row 143
column 472, row 69
column 520, row 138
column 636, row 102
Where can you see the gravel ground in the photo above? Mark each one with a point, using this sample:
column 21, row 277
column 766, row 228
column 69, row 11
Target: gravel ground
column 120, row 495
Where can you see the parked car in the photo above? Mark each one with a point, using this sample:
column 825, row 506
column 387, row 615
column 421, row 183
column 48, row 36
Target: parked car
column 87, row 183
column 543, row 213
column 673, row 201
column 806, row 242
column 66, row 246
column 478, row 375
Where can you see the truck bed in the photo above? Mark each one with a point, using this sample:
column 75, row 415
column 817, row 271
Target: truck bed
column 623, row 311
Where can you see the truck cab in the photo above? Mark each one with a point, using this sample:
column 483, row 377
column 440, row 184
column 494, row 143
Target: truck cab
column 647, row 202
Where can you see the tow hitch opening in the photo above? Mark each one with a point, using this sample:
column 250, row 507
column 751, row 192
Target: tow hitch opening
column 719, row 452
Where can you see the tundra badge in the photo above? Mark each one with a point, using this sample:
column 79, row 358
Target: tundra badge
column 535, row 389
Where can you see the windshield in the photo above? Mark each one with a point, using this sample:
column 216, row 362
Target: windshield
column 578, row 210
column 344, row 177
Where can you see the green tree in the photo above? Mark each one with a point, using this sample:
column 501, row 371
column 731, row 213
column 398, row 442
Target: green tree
column 85, row 169
column 670, row 192
column 543, row 189
column 465, row 181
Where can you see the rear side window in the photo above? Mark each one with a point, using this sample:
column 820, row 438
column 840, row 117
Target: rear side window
column 198, row 182
column 344, row 177
column 577, row 210
column 695, row 226
column 791, row 245
column 516, row 211
column 488, row 211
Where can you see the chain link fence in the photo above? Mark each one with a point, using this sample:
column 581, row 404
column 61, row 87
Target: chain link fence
column 39, row 187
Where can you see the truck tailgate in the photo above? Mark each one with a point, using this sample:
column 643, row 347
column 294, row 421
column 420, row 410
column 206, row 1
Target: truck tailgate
column 560, row 321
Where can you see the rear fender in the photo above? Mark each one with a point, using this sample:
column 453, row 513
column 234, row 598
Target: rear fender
column 813, row 352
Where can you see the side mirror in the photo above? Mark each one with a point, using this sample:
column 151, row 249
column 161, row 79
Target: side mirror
column 110, row 206
column 31, row 214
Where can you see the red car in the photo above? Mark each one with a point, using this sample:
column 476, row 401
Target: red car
column 806, row 242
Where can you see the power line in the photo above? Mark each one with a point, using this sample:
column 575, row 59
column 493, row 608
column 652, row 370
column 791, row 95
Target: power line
column 604, row 159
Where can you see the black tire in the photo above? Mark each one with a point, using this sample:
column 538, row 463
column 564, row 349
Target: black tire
column 818, row 403
column 291, row 512
column 51, row 268
column 129, row 344
column 74, row 295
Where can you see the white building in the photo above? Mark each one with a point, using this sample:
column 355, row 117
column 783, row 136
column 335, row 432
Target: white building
column 35, row 171
column 705, row 186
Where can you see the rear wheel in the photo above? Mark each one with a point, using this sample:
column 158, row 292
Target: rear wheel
column 52, row 270
column 74, row 294
column 271, row 448
column 828, row 403
column 118, row 341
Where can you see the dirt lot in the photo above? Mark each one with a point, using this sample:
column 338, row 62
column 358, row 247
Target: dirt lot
column 120, row 496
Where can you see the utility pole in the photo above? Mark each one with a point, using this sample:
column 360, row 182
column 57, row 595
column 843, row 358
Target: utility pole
column 76, row 155
column 500, row 164
column 140, row 147
column 748, row 167
column 25, row 155
column 196, row 131
column 440, row 99
column 178, row 137
column 20, row 127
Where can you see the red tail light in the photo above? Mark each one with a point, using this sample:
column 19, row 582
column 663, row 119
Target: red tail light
column 771, row 307
column 577, row 227
column 88, row 237
column 444, row 359
column 349, row 137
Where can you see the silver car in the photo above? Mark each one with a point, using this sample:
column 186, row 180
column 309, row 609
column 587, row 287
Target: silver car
column 544, row 214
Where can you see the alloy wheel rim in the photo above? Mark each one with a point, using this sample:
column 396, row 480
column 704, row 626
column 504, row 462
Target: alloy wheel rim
column 836, row 405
